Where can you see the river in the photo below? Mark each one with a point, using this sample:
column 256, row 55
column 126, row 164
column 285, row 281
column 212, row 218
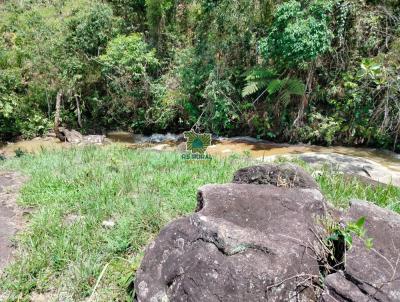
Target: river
column 378, row 164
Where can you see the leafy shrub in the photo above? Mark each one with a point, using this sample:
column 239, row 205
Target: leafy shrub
column 133, row 12
column 35, row 125
column 168, row 106
column 298, row 34
column 127, row 66
column 129, row 55
column 320, row 129
column 220, row 110
column 90, row 30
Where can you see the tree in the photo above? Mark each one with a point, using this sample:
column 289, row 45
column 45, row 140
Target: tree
column 298, row 34
column 90, row 30
column 127, row 66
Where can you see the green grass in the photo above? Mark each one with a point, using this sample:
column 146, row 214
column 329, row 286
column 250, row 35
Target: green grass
column 140, row 190
column 339, row 189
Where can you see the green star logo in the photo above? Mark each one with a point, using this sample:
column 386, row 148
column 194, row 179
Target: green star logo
column 196, row 142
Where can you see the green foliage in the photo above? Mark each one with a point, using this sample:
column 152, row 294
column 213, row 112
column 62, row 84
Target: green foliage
column 281, row 89
column 278, row 95
column 8, row 103
column 19, row 153
column 346, row 232
column 298, row 34
column 89, row 31
column 127, row 66
column 128, row 55
column 220, row 111
column 13, row 110
column 67, row 246
column 329, row 66
column 258, row 79
column 321, row 129
column 35, row 125
column 370, row 105
column 168, row 107
column 132, row 11
column 155, row 13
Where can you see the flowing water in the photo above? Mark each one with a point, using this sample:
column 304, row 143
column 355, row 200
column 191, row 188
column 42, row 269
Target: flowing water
column 32, row 146
column 379, row 164
column 262, row 149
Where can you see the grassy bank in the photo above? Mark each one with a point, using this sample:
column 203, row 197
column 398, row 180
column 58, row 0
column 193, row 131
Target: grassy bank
column 67, row 251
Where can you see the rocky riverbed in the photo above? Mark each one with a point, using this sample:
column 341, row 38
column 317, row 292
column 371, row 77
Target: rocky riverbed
column 369, row 164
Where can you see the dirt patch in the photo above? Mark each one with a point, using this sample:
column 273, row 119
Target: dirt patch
column 11, row 216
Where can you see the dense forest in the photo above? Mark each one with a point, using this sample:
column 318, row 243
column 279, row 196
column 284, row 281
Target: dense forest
column 317, row 71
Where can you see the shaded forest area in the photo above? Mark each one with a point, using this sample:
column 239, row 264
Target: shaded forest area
column 324, row 72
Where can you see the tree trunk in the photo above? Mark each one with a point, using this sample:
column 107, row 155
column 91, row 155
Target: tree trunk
column 78, row 111
column 57, row 121
column 304, row 99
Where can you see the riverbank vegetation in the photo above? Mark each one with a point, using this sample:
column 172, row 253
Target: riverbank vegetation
column 93, row 211
column 324, row 72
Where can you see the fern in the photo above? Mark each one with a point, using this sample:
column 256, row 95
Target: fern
column 267, row 80
column 274, row 86
column 252, row 87
column 295, row 87
column 260, row 74
column 288, row 88
column 257, row 79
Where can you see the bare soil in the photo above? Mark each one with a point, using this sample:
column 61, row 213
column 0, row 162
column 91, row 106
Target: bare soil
column 11, row 216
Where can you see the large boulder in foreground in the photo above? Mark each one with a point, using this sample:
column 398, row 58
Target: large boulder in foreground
column 257, row 240
column 241, row 245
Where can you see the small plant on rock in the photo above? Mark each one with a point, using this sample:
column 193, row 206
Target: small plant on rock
column 339, row 240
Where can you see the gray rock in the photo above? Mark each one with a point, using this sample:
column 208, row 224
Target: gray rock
column 370, row 274
column 339, row 288
column 363, row 167
column 255, row 240
column 94, row 139
column 241, row 245
column 285, row 175
column 75, row 137
column 71, row 136
column 160, row 138
column 11, row 215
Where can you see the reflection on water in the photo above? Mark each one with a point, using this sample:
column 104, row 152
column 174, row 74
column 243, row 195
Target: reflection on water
column 223, row 147
column 121, row 137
